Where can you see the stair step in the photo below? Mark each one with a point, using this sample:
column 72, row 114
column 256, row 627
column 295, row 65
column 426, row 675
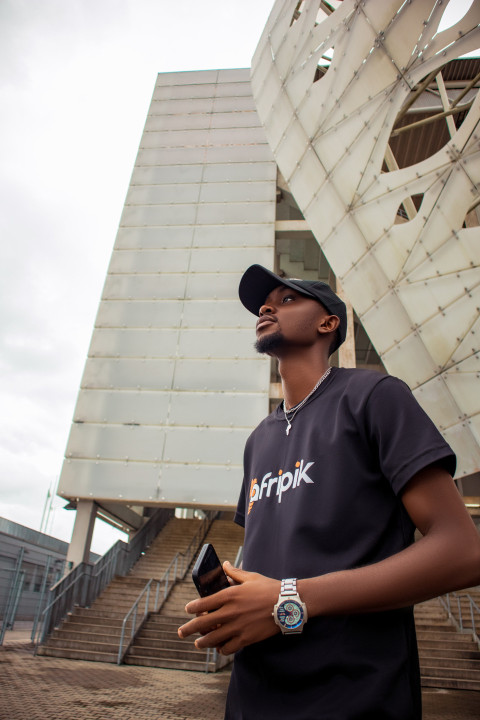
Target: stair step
column 77, row 654
column 454, row 672
column 91, row 645
column 168, row 653
column 450, row 683
column 88, row 635
column 169, row 663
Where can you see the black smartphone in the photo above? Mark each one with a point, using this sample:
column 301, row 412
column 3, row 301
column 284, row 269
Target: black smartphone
column 208, row 574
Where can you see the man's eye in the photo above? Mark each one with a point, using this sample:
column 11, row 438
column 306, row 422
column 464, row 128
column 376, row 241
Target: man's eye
column 287, row 298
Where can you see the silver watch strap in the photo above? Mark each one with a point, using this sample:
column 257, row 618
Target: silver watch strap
column 289, row 587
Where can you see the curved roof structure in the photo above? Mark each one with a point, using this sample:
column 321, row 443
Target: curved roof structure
column 336, row 86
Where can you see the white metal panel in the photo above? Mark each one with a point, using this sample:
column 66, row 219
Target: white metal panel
column 213, row 286
column 199, row 409
column 144, row 215
column 166, row 175
column 236, row 172
column 244, row 235
column 154, row 261
column 128, row 406
column 213, row 446
column 163, row 194
column 216, row 213
column 229, row 260
column 153, row 286
column 242, row 153
column 238, row 192
column 134, row 342
column 204, row 90
column 157, row 237
column 200, row 485
column 237, row 375
column 231, row 104
column 202, row 137
column 139, row 313
column 217, row 409
column 231, row 343
column 116, row 442
column 214, row 314
column 199, row 120
column 129, row 373
column 171, row 156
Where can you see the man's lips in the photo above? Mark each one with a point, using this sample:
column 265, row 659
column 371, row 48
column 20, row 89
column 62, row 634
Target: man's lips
column 265, row 320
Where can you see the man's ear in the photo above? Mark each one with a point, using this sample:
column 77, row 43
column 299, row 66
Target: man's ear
column 328, row 324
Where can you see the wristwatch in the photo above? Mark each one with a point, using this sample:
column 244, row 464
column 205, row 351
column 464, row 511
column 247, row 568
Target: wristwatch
column 290, row 613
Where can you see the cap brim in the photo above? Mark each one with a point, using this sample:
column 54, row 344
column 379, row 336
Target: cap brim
column 257, row 283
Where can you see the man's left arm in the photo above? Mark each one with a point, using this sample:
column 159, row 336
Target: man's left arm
column 446, row 558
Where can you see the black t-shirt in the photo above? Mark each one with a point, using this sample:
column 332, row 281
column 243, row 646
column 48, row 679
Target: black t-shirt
column 324, row 498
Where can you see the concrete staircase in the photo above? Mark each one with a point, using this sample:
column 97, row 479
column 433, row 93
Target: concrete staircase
column 448, row 658
column 93, row 633
column 158, row 644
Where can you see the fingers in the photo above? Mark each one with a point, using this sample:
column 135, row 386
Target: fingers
column 237, row 575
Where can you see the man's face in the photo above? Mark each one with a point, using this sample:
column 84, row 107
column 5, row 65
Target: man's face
column 287, row 319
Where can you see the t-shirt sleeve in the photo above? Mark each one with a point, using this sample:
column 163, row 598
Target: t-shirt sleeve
column 406, row 439
column 239, row 516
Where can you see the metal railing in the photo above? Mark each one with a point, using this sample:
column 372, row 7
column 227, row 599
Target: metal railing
column 132, row 615
column 176, row 570
column 84, row 583
column 465, row 620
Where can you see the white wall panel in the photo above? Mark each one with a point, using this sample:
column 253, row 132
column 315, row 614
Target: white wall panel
column 246, row 234
column 242, row 375
column 129, row 373
column 166, row 175
column 139, row 313
column 148, row 483
column 236, row 172
column 172, row 385
column 150, row 286
column 163, row 194
column 186, row 409
column 232, row 104
column 128, row 406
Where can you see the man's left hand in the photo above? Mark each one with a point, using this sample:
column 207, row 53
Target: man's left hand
column 235, row 617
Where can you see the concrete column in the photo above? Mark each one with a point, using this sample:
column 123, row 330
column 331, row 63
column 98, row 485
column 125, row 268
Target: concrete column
column 346, row 351
column 79, row 548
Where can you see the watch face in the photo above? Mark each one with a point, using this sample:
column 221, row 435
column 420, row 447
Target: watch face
column 290, row 614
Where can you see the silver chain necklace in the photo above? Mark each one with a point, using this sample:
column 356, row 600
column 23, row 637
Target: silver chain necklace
column 299, row 406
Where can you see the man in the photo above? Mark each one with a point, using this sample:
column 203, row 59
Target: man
column 336, row 480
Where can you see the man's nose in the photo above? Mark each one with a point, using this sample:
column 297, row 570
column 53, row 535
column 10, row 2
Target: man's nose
column 265, row 309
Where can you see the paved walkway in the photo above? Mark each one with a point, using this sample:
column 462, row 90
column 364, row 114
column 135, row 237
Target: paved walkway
column 44, row 688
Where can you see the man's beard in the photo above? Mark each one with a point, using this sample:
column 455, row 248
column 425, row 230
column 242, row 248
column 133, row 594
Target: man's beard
column 269, row 342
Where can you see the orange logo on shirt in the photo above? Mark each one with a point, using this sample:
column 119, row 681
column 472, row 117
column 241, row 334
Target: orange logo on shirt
column 253, row 492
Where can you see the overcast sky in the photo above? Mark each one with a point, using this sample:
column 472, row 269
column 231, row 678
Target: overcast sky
column 76, row 79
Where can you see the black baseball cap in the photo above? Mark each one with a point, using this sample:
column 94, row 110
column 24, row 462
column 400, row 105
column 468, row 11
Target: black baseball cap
column 257, row 283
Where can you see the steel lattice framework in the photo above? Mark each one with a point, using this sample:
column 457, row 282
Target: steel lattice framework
column 330, row 88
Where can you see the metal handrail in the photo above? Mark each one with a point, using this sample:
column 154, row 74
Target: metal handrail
column 461, row 623
column 182, row 558
column 133, row 611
